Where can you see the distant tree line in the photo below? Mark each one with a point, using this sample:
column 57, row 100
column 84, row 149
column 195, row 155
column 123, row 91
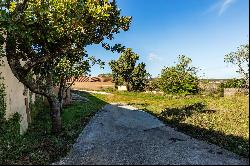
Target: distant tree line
column 181, row 78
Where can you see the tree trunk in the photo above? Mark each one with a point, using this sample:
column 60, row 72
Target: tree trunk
column 55, row 115
column 127, row 86
column 21, row 73
column 60, row 99
column 61, row 104
column 61, row 92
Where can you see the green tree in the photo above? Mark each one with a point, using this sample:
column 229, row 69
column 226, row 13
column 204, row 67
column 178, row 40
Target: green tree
column 179, row 79
column 240, row 58
column 139, row 78
column 153, row 84
column 125, row 71
column 46, row 39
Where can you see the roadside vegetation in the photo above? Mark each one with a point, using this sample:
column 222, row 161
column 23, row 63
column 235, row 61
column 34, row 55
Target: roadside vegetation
column 201, row 112
column 179, row 79
column 51, row 39
column 219, row 120
column 39, row 145
column 41, row 37
column 191, row 106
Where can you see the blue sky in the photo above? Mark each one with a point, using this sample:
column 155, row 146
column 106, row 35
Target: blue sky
column 204, row 30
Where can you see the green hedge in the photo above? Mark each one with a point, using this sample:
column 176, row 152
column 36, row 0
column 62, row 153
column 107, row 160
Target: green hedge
column 234, row 83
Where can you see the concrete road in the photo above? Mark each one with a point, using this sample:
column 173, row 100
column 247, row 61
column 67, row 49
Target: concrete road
column 123, row 135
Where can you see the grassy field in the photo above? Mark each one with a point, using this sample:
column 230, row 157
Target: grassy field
column 38, row 145
column 219, row 120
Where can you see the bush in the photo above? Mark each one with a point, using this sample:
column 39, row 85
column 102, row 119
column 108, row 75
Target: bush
column 153, row 85
column 179, row 79
column 38, row 146
column 234, row 83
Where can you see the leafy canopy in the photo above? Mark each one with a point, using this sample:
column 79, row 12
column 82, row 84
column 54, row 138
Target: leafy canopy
column 50, row 36
column 179, row 79
column 125, row 71
column 240, row 58
column 46, row 39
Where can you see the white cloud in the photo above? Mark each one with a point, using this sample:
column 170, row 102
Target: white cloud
column 225, row 6
column 153, row 57
column 220, row 7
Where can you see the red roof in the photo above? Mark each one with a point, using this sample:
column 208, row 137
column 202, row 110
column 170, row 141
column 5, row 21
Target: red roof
column 85, row 79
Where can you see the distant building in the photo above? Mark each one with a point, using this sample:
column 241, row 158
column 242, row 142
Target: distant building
column 92, row 83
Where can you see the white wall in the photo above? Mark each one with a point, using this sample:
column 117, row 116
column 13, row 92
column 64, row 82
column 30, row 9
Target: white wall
column 15, row 98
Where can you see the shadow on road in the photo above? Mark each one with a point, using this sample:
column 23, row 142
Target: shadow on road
column 175, row 117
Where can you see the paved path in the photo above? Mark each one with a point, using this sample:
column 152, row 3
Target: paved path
column 124, row 135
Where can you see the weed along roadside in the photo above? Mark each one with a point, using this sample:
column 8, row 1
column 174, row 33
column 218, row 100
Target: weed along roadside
column 219, row 120
column 179, row 66
column 38, row 145
column 212, row 119
column 123, row 134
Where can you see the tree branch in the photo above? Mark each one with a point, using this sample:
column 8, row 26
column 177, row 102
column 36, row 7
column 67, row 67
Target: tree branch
column 19, row 72
column 71, row 84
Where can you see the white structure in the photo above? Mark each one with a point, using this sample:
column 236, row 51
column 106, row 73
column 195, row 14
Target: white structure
column 17, row 96
column 122, row 88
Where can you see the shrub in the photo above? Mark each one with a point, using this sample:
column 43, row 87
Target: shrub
column 240, row 59
column 179, row 79
column 153, row 85
column 234, row 83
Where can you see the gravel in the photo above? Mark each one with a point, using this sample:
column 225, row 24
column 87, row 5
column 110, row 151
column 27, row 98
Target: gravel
column 123, row 135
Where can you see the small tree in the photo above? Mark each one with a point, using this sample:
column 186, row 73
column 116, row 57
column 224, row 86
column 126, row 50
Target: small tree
column 45, row 41
column 139, row 78
column 179, row 79
column 240, row 58
column 153, row 84
column 125, row 71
